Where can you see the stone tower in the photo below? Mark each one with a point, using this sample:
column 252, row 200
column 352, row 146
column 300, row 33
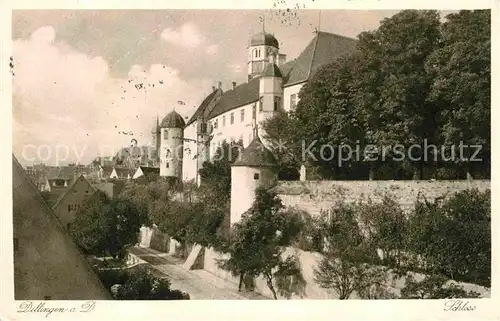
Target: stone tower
column 270, row 91
column 263, row 47
column 171, row 145
column 256, row 167
column 203, row 132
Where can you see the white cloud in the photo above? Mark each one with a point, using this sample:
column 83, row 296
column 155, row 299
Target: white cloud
column 236, row 68
column 212, row 49
column 188, row 36
column 65, row 98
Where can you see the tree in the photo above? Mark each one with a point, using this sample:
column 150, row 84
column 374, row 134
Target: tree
column 344, row 266
column 281, row 132
column 257, row 241
column 461, row 71
column 386, row 228
column 434, row 287
column 453, row 236
column 142, row 285
column 103, row 226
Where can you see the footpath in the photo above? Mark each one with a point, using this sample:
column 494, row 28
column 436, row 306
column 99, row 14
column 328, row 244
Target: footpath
column 200, row 284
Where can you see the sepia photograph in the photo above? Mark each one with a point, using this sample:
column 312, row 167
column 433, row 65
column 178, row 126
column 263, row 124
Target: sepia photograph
column 278, row 154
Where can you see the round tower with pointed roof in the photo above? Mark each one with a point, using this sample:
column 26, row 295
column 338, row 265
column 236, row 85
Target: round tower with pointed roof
column 255, row 167
column 171, row 145
column 263, row 47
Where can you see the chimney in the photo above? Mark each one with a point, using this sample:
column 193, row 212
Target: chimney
column 234, row 84
column 213, row 88
column 302, row 173
column 219, row 84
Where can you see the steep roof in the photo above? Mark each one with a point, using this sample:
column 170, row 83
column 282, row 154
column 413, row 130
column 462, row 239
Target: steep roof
column 150, row 170
column 271, row 70
column 48, row 261
column 323, row 49
column 256, row 155
column 125, row 171
column 79, row 180
column 243, row 94
column 204, row 108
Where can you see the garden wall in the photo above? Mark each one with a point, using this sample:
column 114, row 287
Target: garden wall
column 314, row 196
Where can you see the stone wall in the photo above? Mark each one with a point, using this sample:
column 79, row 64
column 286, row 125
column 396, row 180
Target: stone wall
column 311, row 290
column 314, row 196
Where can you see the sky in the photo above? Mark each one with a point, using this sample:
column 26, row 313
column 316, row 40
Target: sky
column 77, row 73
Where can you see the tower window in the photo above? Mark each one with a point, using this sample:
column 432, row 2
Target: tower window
column 232, row 118
column 293, row 101
column 261, row 103
column 165, row 134
column 242, row 115
column 256, row 176
column 277, row 103
column 167, row 165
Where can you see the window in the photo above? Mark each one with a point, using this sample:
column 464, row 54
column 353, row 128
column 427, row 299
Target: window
column 223, row 121
column 167, row 165
column 16, row 244
column 232, row 118
column 256, row 176
column 47, row 297
column 242, row 115
column 254, row 112
column 293, row 101
column 261, row 103
column 277, row 103
column 215, row 123
column 68, row 225
column 165, row 134
column 69, row 208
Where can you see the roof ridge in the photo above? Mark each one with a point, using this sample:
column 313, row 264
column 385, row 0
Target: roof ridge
column 69, row 189
column 313, row 55
column 337, row 35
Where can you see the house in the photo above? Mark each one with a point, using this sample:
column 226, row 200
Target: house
column 47, row 263
column 122, row 173
column 71, row 200
column 146, row 171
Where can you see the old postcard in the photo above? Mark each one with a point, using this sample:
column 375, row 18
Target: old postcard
column 336, row 158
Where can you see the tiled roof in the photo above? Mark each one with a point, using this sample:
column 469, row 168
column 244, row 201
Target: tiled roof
column 124, row 171
column 256, row 154
column 323, row 49
column 264, row 38
column 150, row 170
column 173, row 120
column 243, row 94
column 272, row 70
column 79, row 180
column 203, row 110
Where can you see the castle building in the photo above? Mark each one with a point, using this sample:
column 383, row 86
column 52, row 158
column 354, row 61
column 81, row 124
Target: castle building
column 231, row 115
